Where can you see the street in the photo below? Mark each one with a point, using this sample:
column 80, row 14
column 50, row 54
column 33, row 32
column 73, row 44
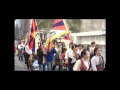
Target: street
column 35, row 36
column 19, row 65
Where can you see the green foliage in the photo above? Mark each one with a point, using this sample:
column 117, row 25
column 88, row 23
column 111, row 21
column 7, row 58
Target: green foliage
column 44, row 23
column 73, row 24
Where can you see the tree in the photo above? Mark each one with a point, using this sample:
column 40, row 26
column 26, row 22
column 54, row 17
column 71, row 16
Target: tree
column 73, row 24
column 44, row 23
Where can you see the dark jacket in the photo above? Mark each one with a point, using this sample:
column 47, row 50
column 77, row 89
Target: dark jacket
column 40, row 56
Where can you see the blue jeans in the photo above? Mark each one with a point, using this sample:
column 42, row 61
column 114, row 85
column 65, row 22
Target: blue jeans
column 44, row 67
column 41, row 67
column 50, row 65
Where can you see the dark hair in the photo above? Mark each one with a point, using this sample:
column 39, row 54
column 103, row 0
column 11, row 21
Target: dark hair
column 95, row 50
column 40, row 44
column 80, row 45
column 70, row 44
column 35, row 57
column 63, row 50
column 72, row 47
column 76, row 45
column 88, row 47
column 92, row 43
column 83, row 52
column 97, row 46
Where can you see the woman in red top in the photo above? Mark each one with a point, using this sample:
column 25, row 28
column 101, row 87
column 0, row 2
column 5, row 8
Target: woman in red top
column 83, row 64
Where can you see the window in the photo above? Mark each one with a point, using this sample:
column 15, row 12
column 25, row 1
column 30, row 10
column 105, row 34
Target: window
column 84, row 40
column 104, row 39
column 98, row 39
column 81, row 39
column 87, row 40
column 92, row 38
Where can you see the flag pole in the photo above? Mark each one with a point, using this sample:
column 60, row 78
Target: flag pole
column 39, row 36
column 67, row 28
column 29, row 30
column 70, row 35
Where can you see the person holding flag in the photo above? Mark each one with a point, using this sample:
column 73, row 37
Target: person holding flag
column 28, row 53
column 50, row 58
column 30, row 46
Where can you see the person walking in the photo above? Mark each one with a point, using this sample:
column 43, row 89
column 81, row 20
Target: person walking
column 97, row 61
column 40, row 55
column 82, row 64
column 20, row 48
column 50, row 58
column 28, row 52
column 58, row 58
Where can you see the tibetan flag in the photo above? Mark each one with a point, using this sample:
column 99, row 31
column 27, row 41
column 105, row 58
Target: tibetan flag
column 58, row 25
column 58, row 29
column 49, row 45
column 33, row 32
column 66, row 37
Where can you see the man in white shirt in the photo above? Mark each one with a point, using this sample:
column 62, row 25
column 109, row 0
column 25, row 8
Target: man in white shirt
column 93, row 45
column 28, row 53
column 70, row 57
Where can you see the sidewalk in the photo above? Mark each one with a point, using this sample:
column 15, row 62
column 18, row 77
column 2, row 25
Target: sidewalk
column 19, row 65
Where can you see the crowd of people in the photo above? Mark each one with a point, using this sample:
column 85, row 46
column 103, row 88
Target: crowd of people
column 76, row 58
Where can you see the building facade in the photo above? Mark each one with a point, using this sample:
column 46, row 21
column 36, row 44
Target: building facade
column 92, row 30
